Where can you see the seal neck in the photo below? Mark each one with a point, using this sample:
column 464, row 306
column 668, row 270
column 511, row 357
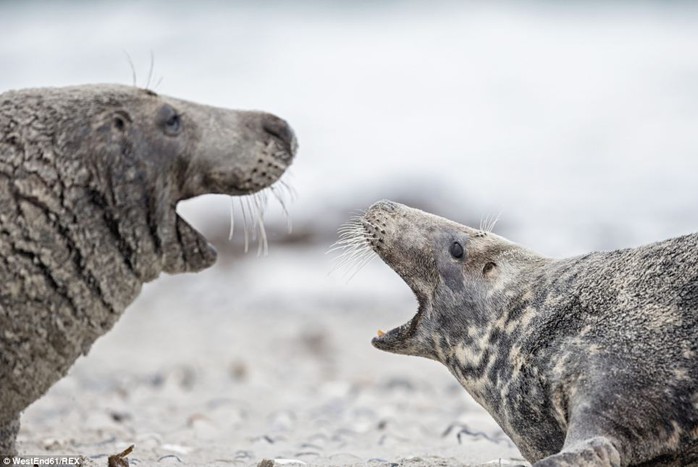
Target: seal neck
column 485, row 359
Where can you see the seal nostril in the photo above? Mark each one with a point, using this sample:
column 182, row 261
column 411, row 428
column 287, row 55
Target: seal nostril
column 279, row 129
column 384, row 205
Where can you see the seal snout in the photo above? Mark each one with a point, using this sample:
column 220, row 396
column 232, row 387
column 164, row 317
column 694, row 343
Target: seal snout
column 376, row 222
column 384, row 205
column 281, row 131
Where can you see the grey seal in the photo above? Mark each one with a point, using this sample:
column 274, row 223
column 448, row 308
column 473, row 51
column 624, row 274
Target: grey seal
column 90, row 177
column 582, row 361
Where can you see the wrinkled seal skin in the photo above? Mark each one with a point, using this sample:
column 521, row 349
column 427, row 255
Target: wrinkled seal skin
column 583, row 361
column 89, row 180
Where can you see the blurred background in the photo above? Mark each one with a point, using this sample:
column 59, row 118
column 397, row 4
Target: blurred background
column 575, row 123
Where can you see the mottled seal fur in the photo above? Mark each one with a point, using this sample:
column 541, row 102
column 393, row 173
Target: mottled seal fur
column 89, row 180
column 589, row 360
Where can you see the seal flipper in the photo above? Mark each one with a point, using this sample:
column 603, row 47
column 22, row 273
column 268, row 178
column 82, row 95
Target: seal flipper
column 189, row 251
column 595, row 452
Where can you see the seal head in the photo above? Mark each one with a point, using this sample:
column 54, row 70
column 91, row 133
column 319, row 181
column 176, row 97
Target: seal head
column 165, row 150
column 451, row 268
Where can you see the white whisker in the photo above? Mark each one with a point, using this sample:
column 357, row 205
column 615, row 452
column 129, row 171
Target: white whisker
column 244, row 223
column 490, row 222
column 260, row 201
column 291, row 191
column 278, row 194
column 252, row 208
column 362, row 264
column 150, row 70
column 354, row 248
column 232, row 219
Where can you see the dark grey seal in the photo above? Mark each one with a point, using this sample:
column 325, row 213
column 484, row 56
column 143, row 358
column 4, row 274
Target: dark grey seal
column 89, row 180
column 582, row 361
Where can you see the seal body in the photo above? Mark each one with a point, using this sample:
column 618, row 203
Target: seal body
column 89, row 180
column 590, row 360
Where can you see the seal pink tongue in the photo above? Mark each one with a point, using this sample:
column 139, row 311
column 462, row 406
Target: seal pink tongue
column 380, row 333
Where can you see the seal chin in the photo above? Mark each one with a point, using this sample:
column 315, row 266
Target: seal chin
column 395, row 340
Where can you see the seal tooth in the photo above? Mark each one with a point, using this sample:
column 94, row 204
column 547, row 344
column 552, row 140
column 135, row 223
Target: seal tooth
column 380, row 333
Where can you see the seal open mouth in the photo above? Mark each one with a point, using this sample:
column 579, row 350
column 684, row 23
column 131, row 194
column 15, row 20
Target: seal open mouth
column 242, row 154
column 400, row 339
column 396, row 339
column 379, row 232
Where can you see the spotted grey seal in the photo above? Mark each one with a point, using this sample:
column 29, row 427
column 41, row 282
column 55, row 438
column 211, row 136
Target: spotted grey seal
column 89, row 180
column 582, row 361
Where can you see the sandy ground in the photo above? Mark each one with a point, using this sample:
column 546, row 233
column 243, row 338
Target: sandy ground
column 240, row 364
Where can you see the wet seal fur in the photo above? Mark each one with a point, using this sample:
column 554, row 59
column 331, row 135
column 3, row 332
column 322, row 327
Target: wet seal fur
column 89, row 180
column 582, row 361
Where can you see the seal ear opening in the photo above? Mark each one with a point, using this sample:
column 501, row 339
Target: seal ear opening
column 488, row 269
column 121, row 120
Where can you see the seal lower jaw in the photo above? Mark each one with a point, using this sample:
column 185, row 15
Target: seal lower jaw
column 402, row 339
column 185, row 249
column 394, row 340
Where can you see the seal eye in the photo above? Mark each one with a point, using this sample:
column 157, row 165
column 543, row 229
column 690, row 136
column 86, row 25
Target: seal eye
column 488, row 268
column 171, row 120
column 173, row 124
column 456, row 250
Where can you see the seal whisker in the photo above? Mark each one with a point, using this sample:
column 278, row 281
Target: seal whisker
column 349, row 248
column 350, row 260
column 133, row 69
column 345, row 248
column 244, row 223
column 354, row 246
column 348, row 239
column 362, row 263
column 260, row 202
column 291, row 191
column 483, row 220
column 150, row 70
column 279, row 195
column 232, row 219
column 253, row 219
column 253, row 207
column 488, row 223
column 344, row 244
